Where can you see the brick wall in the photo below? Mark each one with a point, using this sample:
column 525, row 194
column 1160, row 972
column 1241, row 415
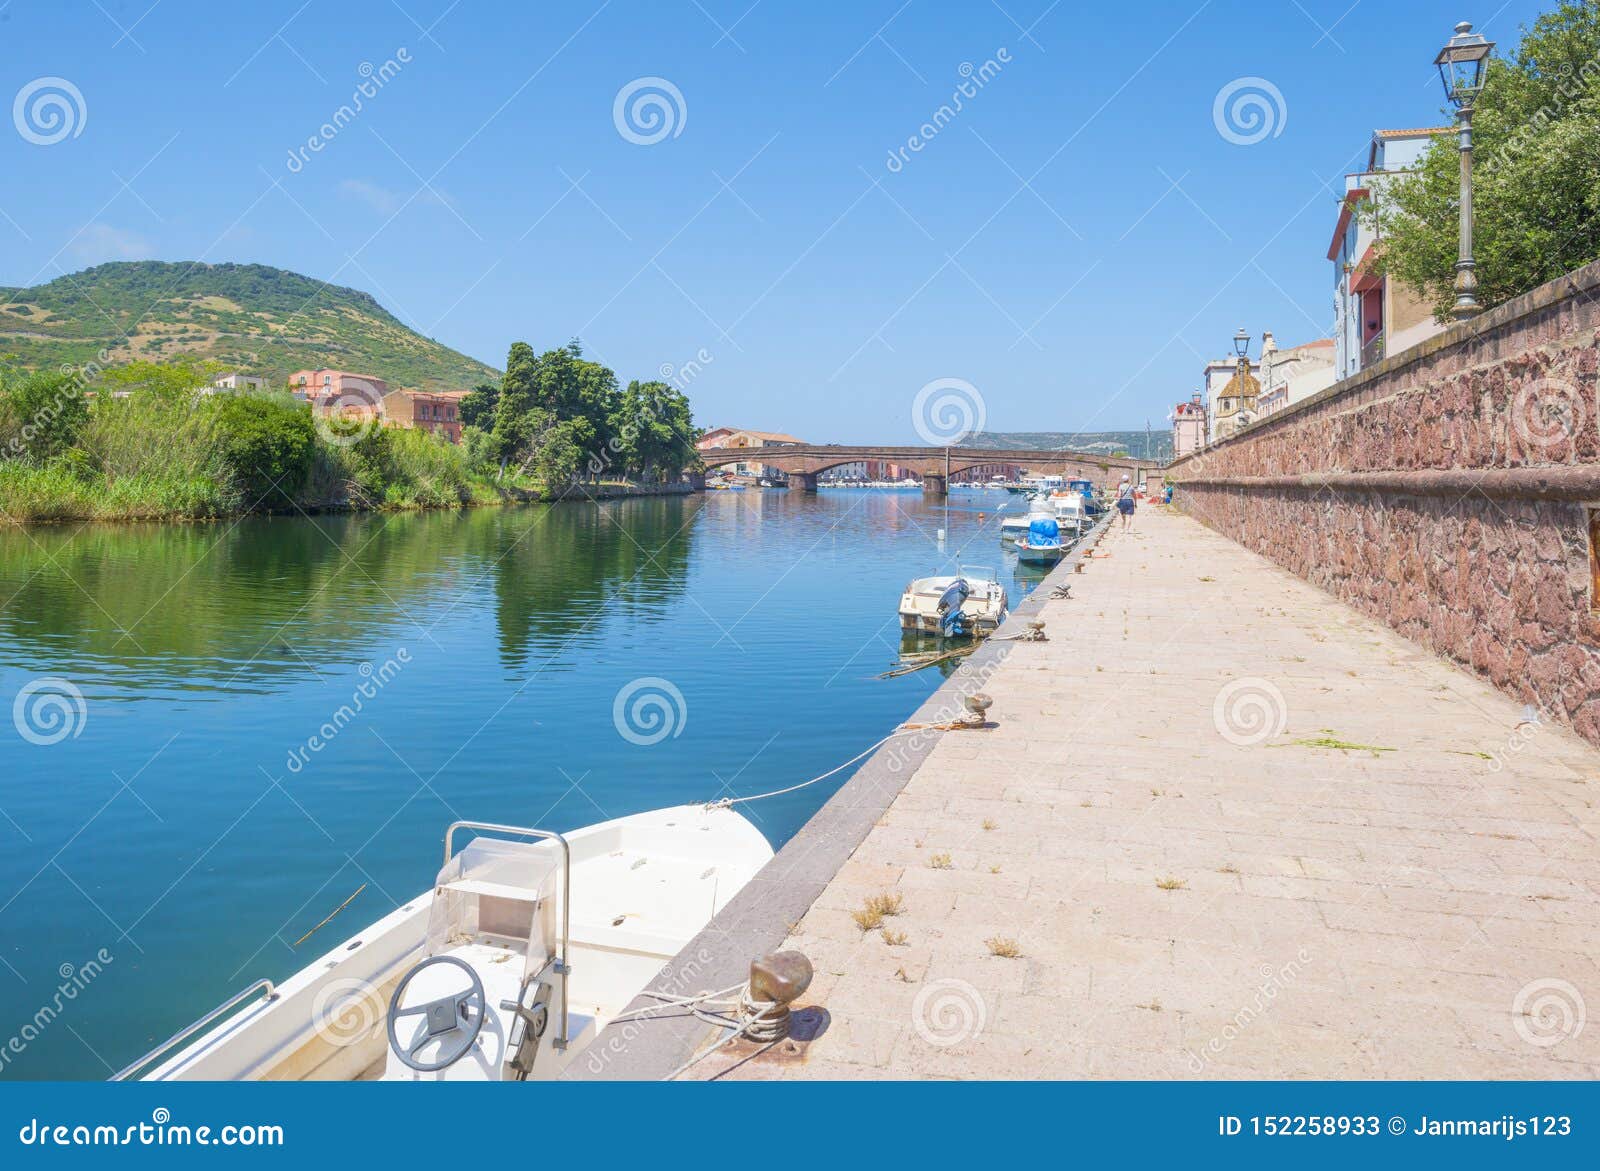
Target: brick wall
column 1444, row 492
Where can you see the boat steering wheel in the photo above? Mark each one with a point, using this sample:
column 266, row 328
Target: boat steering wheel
column 444, row 1016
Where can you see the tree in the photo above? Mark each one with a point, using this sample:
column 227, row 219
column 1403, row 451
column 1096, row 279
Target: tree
column 41, row 415
column 477, row 407
column 653, row 431
column 553, row 413
column 1536, row 189
column 268, row 442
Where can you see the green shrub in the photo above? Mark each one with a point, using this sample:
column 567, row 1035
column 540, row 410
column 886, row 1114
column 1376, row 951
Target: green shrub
column 41, row 415
column 268, row 442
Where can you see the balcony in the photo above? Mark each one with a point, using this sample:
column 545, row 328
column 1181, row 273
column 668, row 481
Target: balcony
column 1372, row 352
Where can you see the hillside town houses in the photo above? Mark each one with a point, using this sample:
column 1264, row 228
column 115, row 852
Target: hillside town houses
column 1372, row 316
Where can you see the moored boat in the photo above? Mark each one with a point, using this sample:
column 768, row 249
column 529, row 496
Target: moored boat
column 506, row 970
column 950, row 605
column 1042, row 543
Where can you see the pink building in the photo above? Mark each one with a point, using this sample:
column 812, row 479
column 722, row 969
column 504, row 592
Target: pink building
column 1188, row 426
column 352, row 395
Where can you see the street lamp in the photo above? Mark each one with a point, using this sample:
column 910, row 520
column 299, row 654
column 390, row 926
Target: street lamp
column 1241, row 343
column 1462, row 63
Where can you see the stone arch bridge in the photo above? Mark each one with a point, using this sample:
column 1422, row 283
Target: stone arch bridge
column 804, row 462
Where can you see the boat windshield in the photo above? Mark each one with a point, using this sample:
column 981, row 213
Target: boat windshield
column 501, row 890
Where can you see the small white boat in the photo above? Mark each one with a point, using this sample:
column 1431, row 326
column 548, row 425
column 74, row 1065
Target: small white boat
column 1013, row 528
column 1042, row 543
column 970, row 602
column 515, row 960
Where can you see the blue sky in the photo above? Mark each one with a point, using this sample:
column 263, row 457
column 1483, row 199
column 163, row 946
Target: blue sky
column 1074, row 243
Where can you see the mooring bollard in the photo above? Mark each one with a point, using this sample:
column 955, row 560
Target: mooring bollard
column 777, row 980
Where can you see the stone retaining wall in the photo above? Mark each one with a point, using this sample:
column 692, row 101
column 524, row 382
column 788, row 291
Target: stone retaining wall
column 1445, row 492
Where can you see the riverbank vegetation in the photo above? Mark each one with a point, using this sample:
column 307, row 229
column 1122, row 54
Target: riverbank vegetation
column 144, row 441
column 1536, row 179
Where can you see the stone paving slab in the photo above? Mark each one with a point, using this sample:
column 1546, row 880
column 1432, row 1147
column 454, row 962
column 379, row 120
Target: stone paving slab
column 1232, row 829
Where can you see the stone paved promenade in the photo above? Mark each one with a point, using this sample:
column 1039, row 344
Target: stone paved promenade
column 1194, row 892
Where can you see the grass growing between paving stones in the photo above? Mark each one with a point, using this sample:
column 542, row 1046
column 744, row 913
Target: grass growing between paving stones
column 1172, row 883
column 875, row 909
column 940, row 862
column 894, row 938
column 1330, row 739
column 999, row 945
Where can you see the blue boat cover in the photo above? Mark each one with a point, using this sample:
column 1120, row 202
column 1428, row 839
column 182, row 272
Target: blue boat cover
column 1044, row 531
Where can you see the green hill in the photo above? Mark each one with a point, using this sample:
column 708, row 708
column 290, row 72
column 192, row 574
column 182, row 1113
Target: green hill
column 250, row 317
column 1155, row 444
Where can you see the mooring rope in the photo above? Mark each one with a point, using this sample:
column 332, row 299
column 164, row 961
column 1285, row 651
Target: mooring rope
column 728, row 802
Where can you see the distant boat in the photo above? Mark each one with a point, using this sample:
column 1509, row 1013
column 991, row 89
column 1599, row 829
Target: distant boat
column 950, row 605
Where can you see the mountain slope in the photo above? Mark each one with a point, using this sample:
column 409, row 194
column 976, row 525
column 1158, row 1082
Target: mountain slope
column 251, row 317
column 1155, row 444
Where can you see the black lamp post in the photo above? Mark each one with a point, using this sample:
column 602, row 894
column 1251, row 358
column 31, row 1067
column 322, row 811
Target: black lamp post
column 1462, row 64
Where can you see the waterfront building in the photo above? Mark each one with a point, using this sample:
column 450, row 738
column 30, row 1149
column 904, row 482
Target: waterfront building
column 437, row 413
column 723, row 437
column 1292, row 374
column 1188, row 426
column 1374, row 317
column 1218, row 375
column 354, row 395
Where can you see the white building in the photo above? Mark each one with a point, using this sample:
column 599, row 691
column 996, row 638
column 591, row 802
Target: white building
column 1293, row 374
column 1374, row 317
column 238, row 381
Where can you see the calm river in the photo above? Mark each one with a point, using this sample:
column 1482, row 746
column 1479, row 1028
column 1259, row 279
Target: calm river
column 205, row 806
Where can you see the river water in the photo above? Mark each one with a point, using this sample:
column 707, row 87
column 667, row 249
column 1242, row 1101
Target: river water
column 277, row 711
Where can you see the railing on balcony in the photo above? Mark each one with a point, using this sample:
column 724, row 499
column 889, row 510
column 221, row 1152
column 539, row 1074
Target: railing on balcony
column 1372, row 352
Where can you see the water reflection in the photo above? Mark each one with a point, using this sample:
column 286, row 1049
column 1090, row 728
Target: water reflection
column 252, row 605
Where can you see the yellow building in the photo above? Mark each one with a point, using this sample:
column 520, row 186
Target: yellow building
column 1237, row 402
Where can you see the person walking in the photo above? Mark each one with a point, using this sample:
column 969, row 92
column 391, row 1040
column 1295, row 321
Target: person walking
column 1125, row 501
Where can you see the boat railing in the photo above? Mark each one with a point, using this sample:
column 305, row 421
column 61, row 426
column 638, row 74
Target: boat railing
column 563, row 967
column 189, row 1030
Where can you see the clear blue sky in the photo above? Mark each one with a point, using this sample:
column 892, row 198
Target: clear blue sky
column 485, row 194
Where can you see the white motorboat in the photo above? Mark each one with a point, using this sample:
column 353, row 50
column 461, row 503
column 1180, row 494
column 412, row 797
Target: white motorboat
column 1013, row 528
column 970, row 602
column 515, row 960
